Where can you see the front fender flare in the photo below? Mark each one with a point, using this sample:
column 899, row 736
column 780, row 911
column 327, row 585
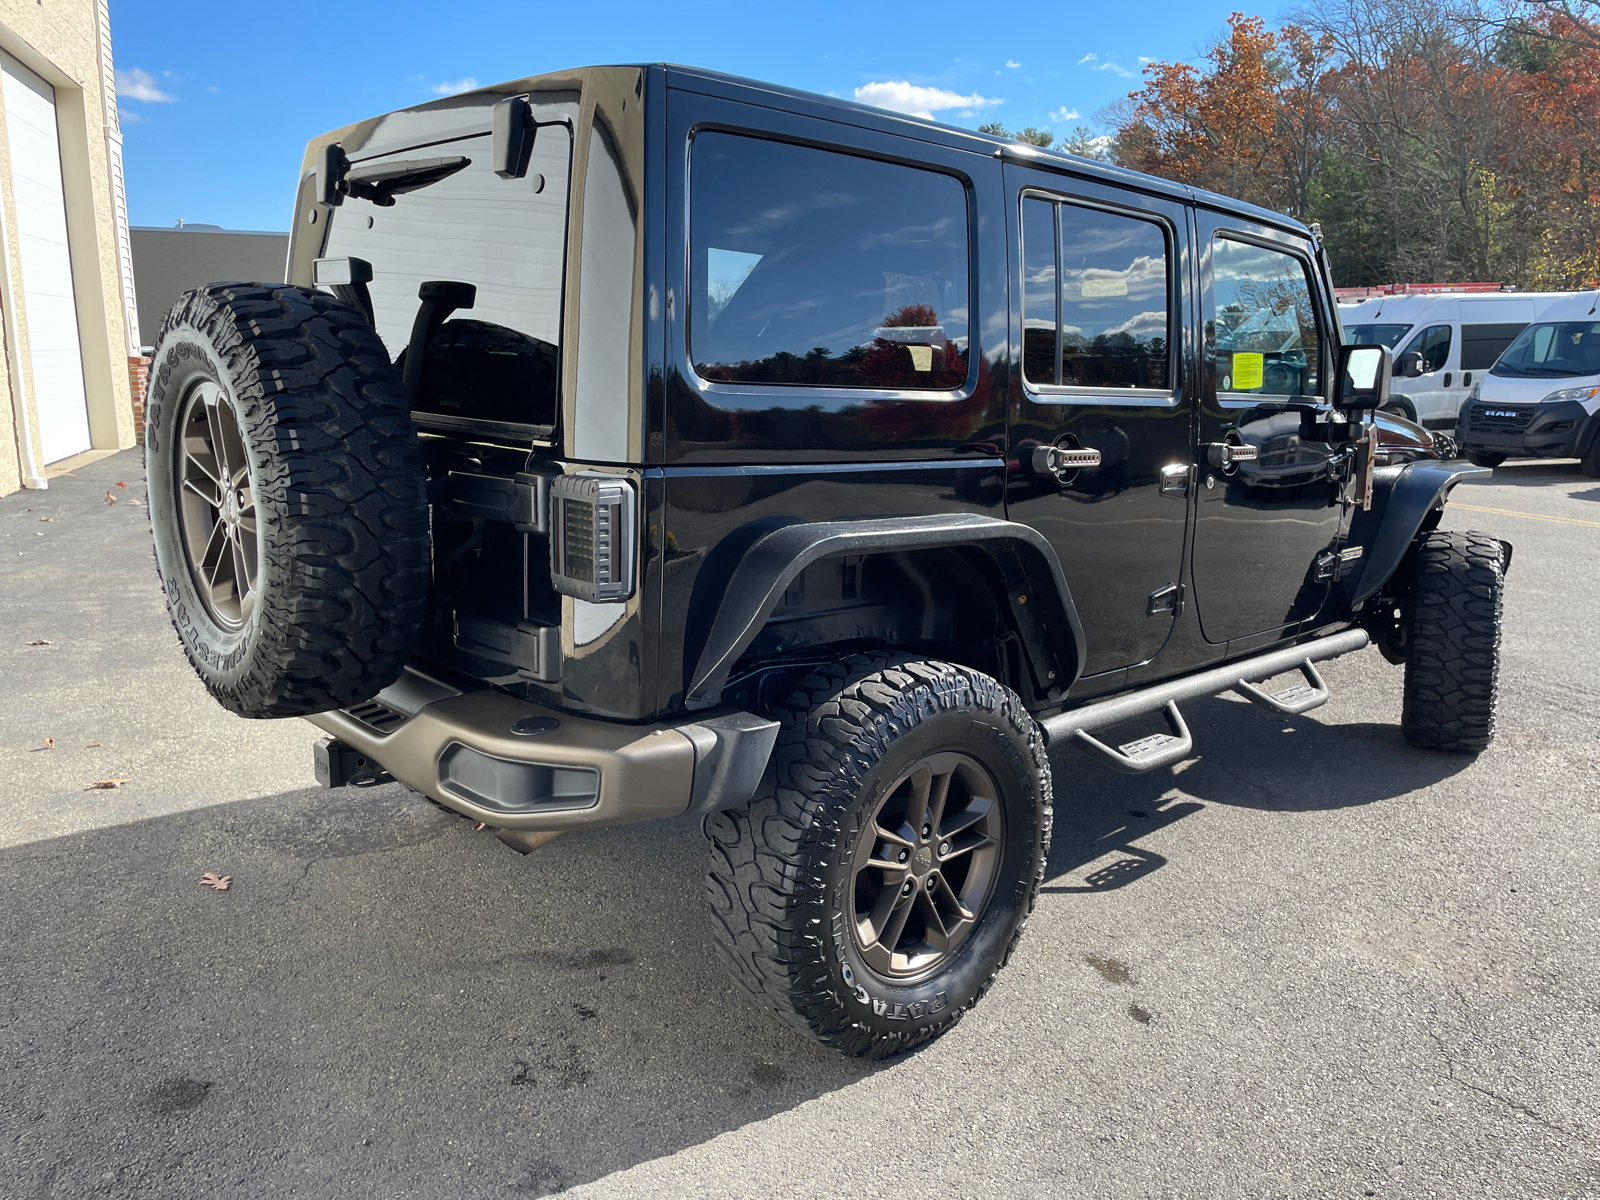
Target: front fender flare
column 1402, row 498
column 1021, row 554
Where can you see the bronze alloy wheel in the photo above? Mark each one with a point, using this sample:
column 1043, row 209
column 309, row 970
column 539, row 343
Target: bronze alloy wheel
column 217, row 507
column 924, row 870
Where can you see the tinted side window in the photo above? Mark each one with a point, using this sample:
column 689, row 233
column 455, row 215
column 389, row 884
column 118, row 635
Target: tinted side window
column 1095, row 292
column 820, row 269
column 1482, row 344
column 1433, row 343
column 1265, row 341
column 498, row 358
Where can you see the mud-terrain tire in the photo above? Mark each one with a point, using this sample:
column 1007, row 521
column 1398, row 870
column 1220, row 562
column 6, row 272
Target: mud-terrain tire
column 295, row 558
column 1482, row 458
column 1453, row 644
column 790, row 876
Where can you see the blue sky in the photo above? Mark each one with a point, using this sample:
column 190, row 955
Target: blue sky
column 219, row 100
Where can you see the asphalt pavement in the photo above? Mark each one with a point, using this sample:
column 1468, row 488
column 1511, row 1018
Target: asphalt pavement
column 1309, row 962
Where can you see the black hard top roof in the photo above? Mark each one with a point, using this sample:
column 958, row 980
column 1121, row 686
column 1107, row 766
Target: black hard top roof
column 734, row 87
column 868, row 116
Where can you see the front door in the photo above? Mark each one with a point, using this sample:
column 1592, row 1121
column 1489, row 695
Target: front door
column 1098, row 309
column 1267, row 531
column 1436, row 393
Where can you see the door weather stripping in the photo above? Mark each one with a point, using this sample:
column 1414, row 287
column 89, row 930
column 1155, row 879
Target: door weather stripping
column 1163, row 749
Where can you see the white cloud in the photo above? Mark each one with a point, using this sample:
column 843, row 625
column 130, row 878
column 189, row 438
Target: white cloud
column 908, row 98
column 1064, row 114
column 1087, row 58
column 129, row 117
column 456, row 87
column 134, row 84
column 1111, row 66
column 1012, row 63
column 1145, row 58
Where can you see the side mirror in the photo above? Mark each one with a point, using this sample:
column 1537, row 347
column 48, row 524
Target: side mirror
column 1411, row 365
column 1364, row 374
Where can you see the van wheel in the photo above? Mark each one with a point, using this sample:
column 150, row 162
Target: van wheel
column 1401, row 408
column 1480, row 458
column 1453, row 643
column 286, row 499
column 885, row 870
column 1591, row 459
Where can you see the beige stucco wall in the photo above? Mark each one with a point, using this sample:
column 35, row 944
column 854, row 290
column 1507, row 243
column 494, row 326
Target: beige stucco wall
column 61, row 41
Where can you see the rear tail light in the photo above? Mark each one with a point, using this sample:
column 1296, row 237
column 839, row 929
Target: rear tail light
column 592, row 526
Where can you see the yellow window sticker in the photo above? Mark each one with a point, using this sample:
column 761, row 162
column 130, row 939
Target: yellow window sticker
column 1247, row 371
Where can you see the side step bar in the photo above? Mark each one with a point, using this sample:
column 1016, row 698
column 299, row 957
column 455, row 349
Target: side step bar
column 1163, row 749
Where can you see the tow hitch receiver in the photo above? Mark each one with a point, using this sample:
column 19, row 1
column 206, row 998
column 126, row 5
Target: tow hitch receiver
column 338, row 765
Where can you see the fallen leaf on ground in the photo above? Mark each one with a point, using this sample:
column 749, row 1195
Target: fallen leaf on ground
column 217, row 883
column 105, row 785
column 92, row 745
column 40, row 642
column 121, row 484
column 47, row 518
column 110, row 498
column 479, row 827
column 136, row 503
column 49, row 744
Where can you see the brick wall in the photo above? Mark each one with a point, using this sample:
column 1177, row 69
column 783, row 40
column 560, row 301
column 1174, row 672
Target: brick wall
column 138, row 378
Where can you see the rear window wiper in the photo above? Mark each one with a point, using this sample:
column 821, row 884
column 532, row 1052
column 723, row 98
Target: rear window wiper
column 378, row 182
column 382, row 182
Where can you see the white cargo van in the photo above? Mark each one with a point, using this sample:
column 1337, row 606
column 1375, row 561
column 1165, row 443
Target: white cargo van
column 1542, row 398
column 1454, row 339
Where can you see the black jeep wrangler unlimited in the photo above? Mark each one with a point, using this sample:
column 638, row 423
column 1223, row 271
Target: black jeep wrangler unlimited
column 638, row 441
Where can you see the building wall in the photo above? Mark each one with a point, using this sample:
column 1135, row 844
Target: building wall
column 168, row 262
column 67, row 43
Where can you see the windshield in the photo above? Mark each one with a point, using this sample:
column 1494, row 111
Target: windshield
column 1375, row 335
column 1560, row 349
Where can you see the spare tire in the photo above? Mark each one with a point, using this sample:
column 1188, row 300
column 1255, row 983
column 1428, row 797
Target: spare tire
column 287, row 498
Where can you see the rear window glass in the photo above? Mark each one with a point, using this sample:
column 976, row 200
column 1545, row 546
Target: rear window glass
column 820, row 269
column 1482, row 344
column 497, row 359
column 1095, row 291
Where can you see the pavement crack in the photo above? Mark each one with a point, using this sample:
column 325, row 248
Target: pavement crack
column 299, row 879
column 1515, row 1105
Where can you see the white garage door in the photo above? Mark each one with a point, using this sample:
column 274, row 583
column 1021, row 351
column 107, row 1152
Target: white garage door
column 41, row 244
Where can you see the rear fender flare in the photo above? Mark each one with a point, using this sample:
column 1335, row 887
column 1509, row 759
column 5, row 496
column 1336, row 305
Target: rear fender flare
column 1041, row 604
column 1402, row 498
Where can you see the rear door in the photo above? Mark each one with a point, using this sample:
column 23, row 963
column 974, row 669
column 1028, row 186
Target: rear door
column 1098, row 307
column 1264, row 529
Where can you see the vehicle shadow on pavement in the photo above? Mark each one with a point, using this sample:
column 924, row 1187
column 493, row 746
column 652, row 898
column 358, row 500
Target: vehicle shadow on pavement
column 1246, row 758
column 383, row 1002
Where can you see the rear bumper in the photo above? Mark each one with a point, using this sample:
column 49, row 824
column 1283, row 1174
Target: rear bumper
column 574, row 773
column 1560, row 430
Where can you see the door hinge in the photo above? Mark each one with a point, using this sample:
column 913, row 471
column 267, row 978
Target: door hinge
column 1166, row 601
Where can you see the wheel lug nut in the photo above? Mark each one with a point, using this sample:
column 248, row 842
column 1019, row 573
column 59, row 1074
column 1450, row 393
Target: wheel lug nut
column 927, row 831
column 944, row 848
column 933, row 882
column 908, row 888
column 904, row 854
